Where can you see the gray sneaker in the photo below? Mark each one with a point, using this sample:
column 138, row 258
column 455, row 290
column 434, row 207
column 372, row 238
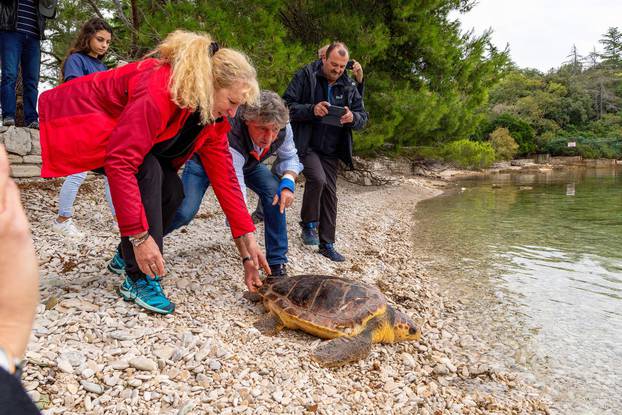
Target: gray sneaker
column 8, row 121
column 34, row 125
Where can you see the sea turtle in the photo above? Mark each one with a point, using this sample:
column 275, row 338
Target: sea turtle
column 353, row 315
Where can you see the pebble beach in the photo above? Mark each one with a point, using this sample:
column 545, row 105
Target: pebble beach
column 93, row 353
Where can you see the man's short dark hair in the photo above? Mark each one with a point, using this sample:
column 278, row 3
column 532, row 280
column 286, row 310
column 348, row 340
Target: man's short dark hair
column 341, row 48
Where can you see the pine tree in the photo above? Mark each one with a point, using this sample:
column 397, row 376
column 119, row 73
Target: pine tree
column 612, row 45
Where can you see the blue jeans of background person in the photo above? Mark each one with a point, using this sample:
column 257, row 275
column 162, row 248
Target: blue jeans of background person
column 18, row 48
column 69, row 191
column 260, row 181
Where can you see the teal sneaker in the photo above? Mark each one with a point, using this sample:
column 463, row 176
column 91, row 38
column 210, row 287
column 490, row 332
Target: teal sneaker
column 117, row 264
column 147, row 293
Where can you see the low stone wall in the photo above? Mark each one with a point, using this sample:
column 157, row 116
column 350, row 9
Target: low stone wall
column 24, row 150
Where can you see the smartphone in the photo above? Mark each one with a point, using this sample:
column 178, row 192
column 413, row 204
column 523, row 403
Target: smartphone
column 334, row 115
column 350, row 65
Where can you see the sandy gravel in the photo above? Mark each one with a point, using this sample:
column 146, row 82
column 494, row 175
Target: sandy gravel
column 91, row 352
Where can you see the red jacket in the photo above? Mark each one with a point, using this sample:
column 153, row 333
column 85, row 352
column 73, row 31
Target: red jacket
column 112, row 119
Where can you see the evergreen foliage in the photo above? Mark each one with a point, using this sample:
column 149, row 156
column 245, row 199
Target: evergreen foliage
column 426, row 81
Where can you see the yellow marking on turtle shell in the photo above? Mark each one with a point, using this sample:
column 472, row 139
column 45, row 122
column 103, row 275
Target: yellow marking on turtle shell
column 292, row 322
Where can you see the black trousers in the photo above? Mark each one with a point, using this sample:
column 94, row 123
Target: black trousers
column 161, row 192
column 319, row 202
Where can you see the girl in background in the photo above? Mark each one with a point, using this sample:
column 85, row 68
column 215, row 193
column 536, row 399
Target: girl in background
column 84, row 58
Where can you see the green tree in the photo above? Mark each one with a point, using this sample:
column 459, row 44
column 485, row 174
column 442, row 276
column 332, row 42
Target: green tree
column 612, row 45
column 503, row 143
column 427, row 82
column 522, row 132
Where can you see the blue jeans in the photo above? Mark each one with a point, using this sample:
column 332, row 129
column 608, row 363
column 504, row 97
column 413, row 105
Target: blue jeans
column 260, row 181
column 69, row 191
column 17, row 48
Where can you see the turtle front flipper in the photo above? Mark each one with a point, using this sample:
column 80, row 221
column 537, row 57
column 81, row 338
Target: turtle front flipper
column 269, row 324
column 343, row 350
column 252, row 297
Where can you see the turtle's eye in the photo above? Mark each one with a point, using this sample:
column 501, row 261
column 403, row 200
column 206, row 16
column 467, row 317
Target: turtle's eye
column 412, row 330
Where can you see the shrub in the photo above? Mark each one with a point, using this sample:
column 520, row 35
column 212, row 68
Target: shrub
column 522, row 133
column 587, row 147
column 469, row 154
column 503, row 143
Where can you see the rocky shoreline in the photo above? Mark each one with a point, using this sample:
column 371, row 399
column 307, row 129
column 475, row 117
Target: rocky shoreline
column 93, row 353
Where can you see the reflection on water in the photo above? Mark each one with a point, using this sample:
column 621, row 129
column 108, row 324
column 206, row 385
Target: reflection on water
column 538, row 264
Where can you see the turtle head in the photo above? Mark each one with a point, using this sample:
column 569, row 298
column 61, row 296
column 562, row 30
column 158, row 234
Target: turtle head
column 405, row 328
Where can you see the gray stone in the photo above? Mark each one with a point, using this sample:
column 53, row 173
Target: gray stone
column 25, row 170
column 119, row 365
column 36, row 143
column 33, row 159
column 88, row 404
column 87, row 373
column 183, row 283
column 34, row 395
column 111, row 380
column 186, row 408
column 15, row 159
column 441, row 370
column 135, row 383
column 164, row 352
column 142, row 363
column 92, row 387
column 215, row 364
column 278, row 396
column 73, row 357
column 17, row 141
column 201, row 355
column 65, row 366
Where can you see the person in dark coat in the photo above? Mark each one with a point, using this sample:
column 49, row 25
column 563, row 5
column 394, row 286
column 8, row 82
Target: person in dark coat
column 322, row 140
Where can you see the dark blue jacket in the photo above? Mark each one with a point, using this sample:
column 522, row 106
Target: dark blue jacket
column 300, row 98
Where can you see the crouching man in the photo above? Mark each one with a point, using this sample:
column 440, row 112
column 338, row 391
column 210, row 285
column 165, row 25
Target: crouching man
column 257, row 132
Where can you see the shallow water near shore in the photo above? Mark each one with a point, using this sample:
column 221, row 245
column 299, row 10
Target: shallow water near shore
column 534, row 262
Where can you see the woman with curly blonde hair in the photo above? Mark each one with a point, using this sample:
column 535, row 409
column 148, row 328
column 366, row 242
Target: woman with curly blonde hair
column 139, row 124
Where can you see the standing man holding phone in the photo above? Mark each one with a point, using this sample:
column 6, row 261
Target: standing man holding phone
column 321, row 144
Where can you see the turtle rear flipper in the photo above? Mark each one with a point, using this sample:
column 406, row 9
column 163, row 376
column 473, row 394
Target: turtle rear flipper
column 269, row 324
column 343, row 350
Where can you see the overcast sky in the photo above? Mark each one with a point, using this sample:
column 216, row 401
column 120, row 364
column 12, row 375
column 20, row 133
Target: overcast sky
column 542, row 32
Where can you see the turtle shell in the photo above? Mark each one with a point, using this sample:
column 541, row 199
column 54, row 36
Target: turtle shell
column 323, row 305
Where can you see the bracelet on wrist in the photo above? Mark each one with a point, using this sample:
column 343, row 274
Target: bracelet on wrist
column 137, row 240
